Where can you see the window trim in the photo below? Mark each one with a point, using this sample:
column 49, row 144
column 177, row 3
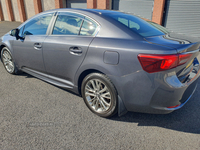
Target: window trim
column 50, row 33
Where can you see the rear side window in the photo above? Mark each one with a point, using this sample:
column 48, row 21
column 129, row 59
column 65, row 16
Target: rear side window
column 38, row 25
column 67, row 24
column 89, row 27
column 136, row 24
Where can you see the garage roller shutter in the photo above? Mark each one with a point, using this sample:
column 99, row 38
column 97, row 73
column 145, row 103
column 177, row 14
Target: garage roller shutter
column 77, row 3
column 183, row 16
column 142, row 8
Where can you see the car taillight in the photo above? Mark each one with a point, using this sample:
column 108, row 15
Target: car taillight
column 156, row 62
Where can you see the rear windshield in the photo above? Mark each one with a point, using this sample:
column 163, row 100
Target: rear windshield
column 136, row 24
column 159, row 27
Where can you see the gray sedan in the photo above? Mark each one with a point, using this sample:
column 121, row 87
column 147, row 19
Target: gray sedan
column 117, row 62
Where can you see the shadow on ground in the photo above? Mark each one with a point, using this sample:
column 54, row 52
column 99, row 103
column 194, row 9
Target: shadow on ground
column 186, row 119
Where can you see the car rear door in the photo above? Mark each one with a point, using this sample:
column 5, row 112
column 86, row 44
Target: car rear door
column 28, row 50
column 66, row 46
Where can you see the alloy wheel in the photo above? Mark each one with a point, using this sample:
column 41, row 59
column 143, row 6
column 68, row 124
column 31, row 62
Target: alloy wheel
column 98, row 95
column 7, row 61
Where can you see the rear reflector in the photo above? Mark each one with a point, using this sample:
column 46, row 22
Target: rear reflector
column 155, row 63
column 174, row 106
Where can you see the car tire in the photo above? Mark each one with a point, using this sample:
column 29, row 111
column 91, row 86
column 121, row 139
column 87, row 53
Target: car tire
column 8, row 62
column 99, row 94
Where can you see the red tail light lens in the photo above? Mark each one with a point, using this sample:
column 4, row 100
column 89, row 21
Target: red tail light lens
column 155, row 63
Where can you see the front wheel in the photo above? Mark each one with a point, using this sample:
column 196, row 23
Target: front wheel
column 8, row 62
column 99, row 94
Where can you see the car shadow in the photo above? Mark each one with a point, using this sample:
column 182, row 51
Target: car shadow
column 186, row 119
column 30, row 76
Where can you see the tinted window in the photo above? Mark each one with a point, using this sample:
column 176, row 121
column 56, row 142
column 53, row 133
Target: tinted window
column 38, row 26
column 89, row 27
column 136, row 24
column 67, row 24
column 159, row 27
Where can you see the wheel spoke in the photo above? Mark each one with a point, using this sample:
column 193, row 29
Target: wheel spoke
column 93, row 85
column 91, row 100
column 103, row 90
column 106, row 95
column 90, row 94
column 6, row 62
column 4, row 57
column 97, row 104
column 89, row 89
column 94, row 102
column 11, row 66
column 104, row 101
column 97, row 85
column 7, row 56
column 102, row 105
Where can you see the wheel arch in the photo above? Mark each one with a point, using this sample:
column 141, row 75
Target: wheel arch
column 6, row 44
column 1, row 47
column 83, row 75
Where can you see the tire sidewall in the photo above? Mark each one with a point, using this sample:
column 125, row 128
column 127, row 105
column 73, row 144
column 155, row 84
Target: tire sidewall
column 113, row 108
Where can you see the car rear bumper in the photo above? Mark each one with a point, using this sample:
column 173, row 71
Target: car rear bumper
column 154, row 93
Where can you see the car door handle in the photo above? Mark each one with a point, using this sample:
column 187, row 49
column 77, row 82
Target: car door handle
column 75, row 50
column 37, row 45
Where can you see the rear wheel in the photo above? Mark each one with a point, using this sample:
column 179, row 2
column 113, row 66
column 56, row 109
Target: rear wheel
column 99, row 94
column 8, row 62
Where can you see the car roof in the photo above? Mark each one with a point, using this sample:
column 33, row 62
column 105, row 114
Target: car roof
column 92, row 11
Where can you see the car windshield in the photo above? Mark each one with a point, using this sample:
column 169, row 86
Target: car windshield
column 137, row 24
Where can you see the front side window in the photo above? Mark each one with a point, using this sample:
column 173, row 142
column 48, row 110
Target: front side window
column 89, row 27
column 67, row 24
column 38, row 25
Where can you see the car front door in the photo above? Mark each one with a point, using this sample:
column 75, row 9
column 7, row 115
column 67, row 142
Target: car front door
column 65, row 48
column 28, row 49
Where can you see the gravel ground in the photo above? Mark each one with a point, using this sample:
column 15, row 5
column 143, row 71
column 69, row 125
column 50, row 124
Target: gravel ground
column 35, row 115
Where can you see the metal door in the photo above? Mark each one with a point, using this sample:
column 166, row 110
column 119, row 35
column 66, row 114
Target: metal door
column 77, row 3
column 142, row 8
column 28, row 52
column 65, row 49
column 183, row 16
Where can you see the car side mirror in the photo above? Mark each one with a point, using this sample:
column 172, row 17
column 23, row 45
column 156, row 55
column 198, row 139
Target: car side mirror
column 14, row 32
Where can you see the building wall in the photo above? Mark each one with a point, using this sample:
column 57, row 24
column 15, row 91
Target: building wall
column 4, row 9
column 29, row 8
column 48, row 4
column 15, row 10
